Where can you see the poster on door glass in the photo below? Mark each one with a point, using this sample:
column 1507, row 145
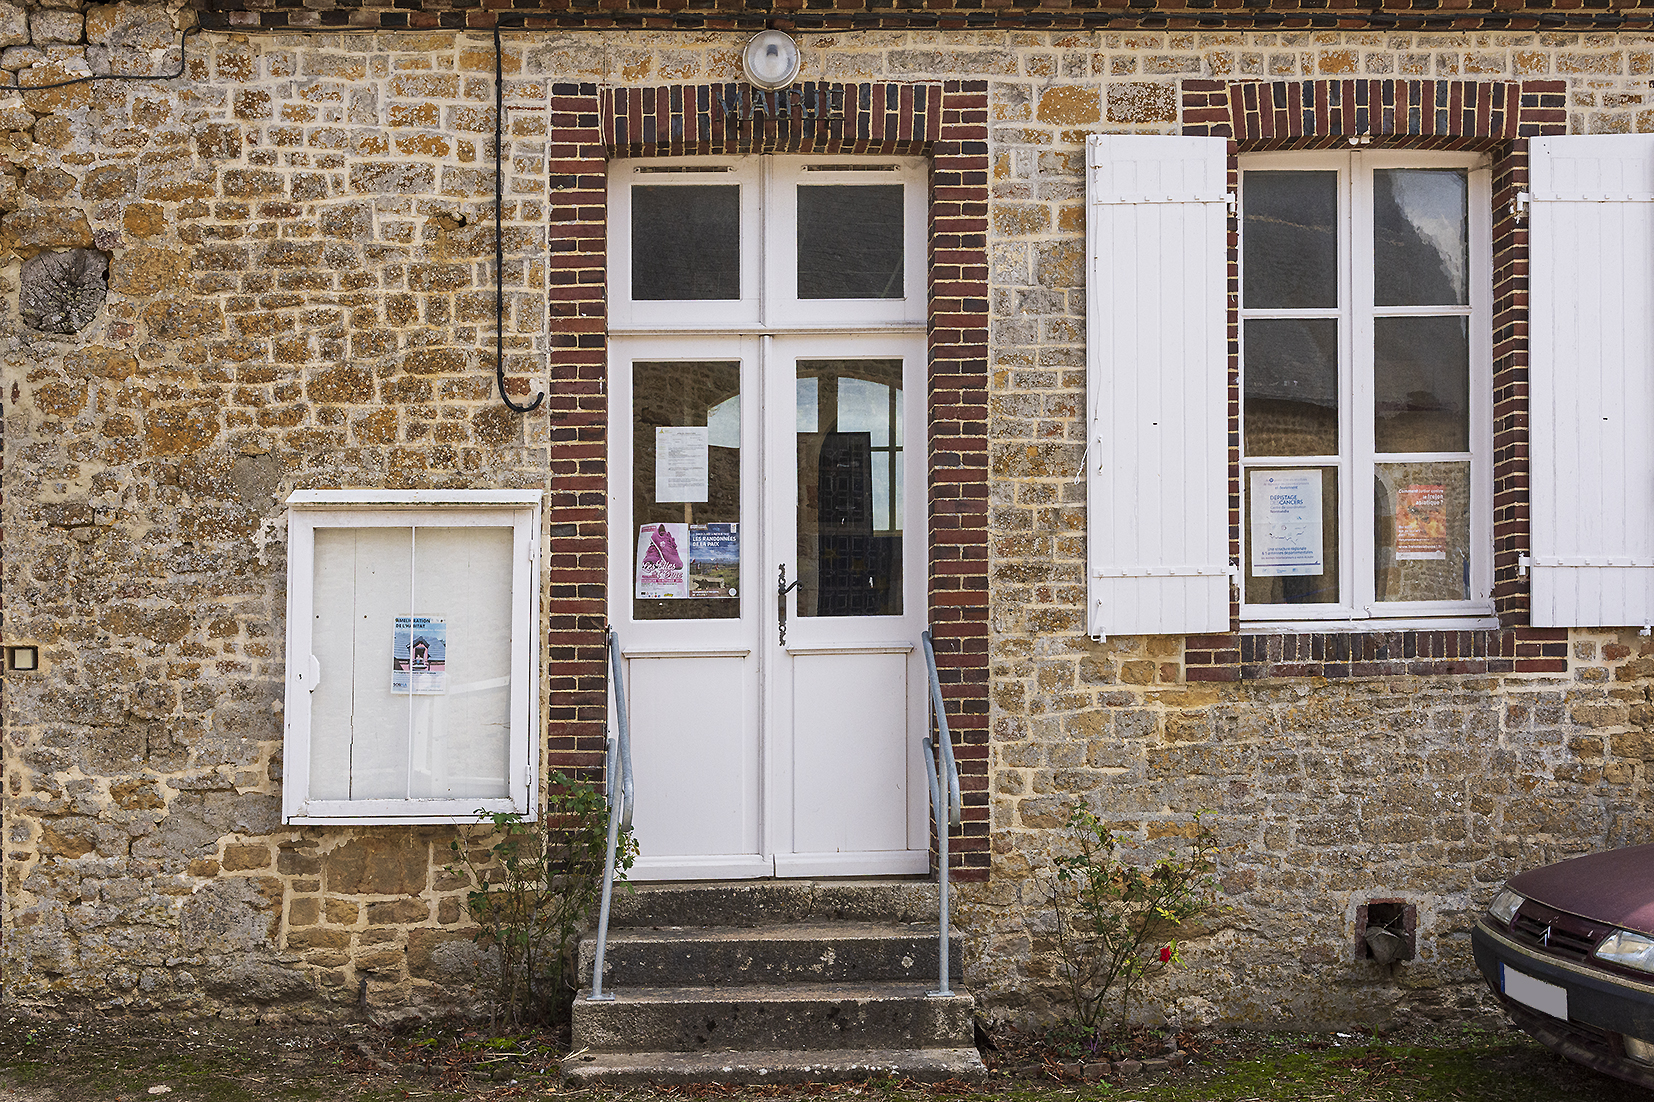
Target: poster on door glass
column 419, row 655
column 1286, row 524
column 1421, row 522
column 662, row 569
column 714, row 560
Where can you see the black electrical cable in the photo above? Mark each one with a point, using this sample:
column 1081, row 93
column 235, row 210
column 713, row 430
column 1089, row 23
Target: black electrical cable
column 182, row 38
column 499, row 234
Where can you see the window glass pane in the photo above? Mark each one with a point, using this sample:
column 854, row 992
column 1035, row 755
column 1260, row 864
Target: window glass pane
column 1421, row 237
column 850, row 241
column 1422, row 531
column 686, row 241
column 1290, row 235
column 1292, row 536
column 1421, row 384
column 1290, row 374
column 686, row 490
column 850, row 489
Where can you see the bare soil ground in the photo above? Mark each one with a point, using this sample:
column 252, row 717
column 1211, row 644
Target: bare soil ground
column 115, row 1059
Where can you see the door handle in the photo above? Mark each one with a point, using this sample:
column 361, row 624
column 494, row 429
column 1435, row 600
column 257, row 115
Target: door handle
column 782, row 588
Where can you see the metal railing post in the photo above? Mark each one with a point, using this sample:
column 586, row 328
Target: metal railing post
column 942, row 773
column 617, row 765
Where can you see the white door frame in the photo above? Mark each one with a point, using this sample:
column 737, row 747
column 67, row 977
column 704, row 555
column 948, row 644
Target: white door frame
column 747, row 650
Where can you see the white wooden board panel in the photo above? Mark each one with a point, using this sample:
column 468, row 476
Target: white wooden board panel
column 695, row 756
column 461, row 740
column 1592, row 380
column 332, row 642
column 1157, row 461
column 850, row 752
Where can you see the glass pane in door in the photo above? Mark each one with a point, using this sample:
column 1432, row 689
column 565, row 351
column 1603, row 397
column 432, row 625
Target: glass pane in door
column 686, row 490
column 850, row 491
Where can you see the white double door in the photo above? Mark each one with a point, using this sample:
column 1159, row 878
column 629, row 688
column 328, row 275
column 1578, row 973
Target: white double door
column 768, row 585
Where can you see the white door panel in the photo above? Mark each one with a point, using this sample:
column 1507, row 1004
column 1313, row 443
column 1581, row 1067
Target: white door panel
column 751, row 754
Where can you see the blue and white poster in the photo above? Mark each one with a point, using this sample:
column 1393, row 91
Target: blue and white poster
column 714, row 560
column 1286, row 524
column 419, row 656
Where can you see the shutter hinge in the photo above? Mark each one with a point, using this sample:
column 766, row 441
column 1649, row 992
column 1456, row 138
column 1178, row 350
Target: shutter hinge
column 1232, row 201
column 528, row 775
column 1519, row 206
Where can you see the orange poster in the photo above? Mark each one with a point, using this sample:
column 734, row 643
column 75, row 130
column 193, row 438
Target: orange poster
column 1421, row 522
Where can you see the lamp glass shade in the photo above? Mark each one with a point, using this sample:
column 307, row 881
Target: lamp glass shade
column 770, row 60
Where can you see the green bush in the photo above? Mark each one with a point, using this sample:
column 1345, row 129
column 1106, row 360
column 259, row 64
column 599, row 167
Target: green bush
column 1115, row 920
column 537, row 884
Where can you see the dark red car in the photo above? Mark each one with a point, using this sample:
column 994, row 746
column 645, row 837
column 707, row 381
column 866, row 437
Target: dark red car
column 1569, row 950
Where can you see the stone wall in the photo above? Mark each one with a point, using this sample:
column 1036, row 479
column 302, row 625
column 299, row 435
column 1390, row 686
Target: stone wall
column 298, row 258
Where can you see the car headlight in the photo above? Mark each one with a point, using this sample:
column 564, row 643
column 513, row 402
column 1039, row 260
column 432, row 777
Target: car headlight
column 1504, row 906
column 1628, row 949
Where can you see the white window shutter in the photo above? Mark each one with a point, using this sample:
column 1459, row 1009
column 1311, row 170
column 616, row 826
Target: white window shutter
column 1591, row 380
column 1156, row 385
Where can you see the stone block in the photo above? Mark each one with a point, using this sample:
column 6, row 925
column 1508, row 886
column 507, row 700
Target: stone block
column 141, row 26
column 240, row 858
column 377, row 864
column 48, row 27
column 14, row 24
column 1142, row 102
column 400, row 912
column 38, row 228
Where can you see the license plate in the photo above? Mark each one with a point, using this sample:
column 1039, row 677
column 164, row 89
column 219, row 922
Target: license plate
column 1547, row 998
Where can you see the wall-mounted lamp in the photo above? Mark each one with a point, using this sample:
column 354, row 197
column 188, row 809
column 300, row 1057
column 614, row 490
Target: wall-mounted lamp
column 770, row 60
column 22, row 658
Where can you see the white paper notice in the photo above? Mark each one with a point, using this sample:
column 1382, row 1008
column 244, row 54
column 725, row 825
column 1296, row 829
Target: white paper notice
column 1286, row 524
column 680, row 464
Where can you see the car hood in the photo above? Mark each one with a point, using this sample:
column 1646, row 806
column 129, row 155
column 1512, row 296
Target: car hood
column 1615, row 887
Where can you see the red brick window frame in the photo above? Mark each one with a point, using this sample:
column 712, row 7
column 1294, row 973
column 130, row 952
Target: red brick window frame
column 945, row 122
column 1496, row 117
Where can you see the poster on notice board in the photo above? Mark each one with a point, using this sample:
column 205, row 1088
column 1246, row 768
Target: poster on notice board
column 419, row 655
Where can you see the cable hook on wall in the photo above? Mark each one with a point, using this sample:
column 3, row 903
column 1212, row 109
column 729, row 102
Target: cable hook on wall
column 499, row 233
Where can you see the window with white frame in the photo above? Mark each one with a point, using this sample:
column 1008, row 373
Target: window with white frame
column 412, row 655
column 1365, row 348
column 1365, row 414
column 766, row 243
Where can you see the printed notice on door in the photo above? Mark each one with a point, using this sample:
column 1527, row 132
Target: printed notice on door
column 1286, row 524
column 662, row 569
column 419, row 656
column 1421, row 522
column 680, row 463
column 714, row 560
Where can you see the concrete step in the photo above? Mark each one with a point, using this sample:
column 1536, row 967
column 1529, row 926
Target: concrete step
column 772, row 1018
column 799, row 952
column 770, row 902
column 925, row 1065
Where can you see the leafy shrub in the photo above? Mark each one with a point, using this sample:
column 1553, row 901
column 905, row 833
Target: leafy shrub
column 537, row 886
column 1115, row 920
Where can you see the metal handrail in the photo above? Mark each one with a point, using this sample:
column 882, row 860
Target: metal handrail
column 619, row 782
column 948, row 806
